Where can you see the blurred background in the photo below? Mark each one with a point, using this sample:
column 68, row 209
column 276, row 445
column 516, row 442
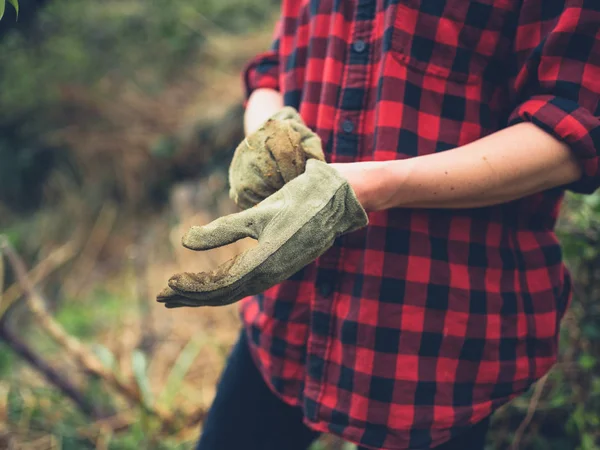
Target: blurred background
column 118, row 119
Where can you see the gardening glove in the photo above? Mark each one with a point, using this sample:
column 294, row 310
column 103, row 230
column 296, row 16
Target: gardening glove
column 293, row 227
column 271, row 156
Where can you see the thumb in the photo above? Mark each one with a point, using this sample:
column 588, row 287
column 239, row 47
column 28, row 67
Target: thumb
column 223, row 231
column 311, row 142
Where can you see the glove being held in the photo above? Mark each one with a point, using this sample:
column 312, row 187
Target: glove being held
column 273, row 155
column 293, row 227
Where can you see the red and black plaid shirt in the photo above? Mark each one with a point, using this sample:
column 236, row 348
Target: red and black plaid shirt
column 408, row 332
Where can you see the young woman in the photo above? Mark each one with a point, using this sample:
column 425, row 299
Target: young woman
column 458, row 125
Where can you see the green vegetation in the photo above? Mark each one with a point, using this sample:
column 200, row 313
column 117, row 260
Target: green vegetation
column 3, row 3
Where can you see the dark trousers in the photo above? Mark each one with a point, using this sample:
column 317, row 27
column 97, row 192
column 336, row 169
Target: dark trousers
column 247, row 415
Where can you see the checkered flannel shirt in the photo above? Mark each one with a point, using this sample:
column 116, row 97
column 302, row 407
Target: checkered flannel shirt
column 408, row 332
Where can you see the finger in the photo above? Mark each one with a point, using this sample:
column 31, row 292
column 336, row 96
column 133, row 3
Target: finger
column 172, row 299
column 223, row 231
column 247, row 198
column 226, row 284
column 166, row 295
column 187, row 302
column 285, row 146
column 174, row 305
column 311, row 142
column 182, row 302
column 220, row 297
column 189, row 283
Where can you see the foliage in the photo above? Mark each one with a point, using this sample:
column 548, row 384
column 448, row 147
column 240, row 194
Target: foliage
column 78, row 42
column 85, row 74
column 567, row 415
column 3, row 3
column 120, row 100
column 87, row 320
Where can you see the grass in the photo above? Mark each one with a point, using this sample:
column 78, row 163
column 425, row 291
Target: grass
column 127, row 132
column 93, row 316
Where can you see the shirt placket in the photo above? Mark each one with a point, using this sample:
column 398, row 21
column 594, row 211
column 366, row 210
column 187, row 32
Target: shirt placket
column 346, row 147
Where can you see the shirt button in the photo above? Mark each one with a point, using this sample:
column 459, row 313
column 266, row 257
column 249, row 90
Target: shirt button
column 325, row 289
column 359, row 46
column 348, row 126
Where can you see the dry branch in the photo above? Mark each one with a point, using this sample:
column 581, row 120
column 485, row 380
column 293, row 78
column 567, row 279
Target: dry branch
column 48, row 372
column 84, row 357
column 92, row 248
column 54, row 261
column 535, row 398
column 116, row 423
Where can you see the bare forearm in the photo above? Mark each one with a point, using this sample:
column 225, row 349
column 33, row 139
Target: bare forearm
column 507, row 165
column 262, row 104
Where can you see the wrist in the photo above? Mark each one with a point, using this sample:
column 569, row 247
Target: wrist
column 261, row 105
column 369, row 181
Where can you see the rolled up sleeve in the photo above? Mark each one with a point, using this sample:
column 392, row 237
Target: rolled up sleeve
column 558, row 82
column 263, row 70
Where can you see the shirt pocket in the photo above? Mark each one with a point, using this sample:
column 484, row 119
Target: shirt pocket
column 452, row 39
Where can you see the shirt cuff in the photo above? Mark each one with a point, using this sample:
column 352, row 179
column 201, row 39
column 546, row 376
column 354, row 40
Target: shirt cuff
column 262, row 72
column 576, row 126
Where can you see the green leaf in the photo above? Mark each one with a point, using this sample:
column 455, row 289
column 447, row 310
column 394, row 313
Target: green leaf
column 105, row 356
column 348, row 446
column 587, row 361
column 2, row 8
column 318, row 445
column 596, row 387
column 593, row 201
column 181, row 367
column 587, row 442
column 139, row 366
column 558, row 400
column 164, row 148
column 590, row 253
column 14, row 401
column 15, row 4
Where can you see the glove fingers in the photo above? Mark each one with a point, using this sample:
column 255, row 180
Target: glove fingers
column 172, row 299
column 218, row 287
column 284, row 143
column 251, row 187
column 313, row 148
column 246, row 198
column 223, row 231
column 253, row 173
column 311, row 142
column 166, row 295
column 186, row 282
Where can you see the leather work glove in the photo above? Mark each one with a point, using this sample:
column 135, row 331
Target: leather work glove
column 293, row 227
column 273, row 155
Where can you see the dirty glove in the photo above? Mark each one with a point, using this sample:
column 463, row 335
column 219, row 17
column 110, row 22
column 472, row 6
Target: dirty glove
column 271, row 156
column 293, row 227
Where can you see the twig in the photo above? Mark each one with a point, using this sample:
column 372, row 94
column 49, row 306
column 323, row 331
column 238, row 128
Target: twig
column 54, row 261
column 535, row 398
column 91, row 250
column 196, row 417
column 139, row 258
column 205, row 27
column 80, row 353
column 48, row 372
column 116, row 423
